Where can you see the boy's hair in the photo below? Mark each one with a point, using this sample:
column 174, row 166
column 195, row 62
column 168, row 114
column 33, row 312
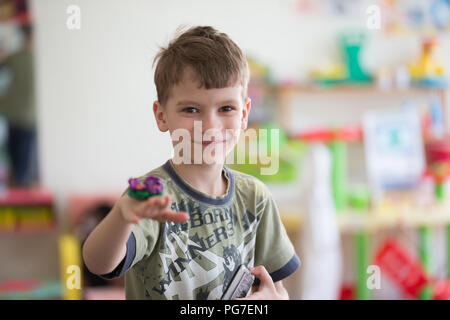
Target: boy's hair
column 217, row 61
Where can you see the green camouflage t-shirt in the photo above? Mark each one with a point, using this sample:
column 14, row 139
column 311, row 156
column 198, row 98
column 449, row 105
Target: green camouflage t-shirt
column 197, row 259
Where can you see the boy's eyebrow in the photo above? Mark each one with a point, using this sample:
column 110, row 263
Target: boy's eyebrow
column 190, row 102
column 187, row 102
column 233, row 102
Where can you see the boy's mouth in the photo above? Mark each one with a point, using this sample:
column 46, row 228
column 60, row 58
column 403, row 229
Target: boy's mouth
column 206, row 142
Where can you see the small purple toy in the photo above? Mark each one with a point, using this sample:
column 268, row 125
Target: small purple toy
column 152, row 186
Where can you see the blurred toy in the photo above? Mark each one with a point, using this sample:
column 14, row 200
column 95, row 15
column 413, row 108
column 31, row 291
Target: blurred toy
column 270, row 149
column 425, row 191
column 321, row 236
column 330, row 73
column 417, row 16
column 337, row 139
column 441, row 290
column 152, row 186
column 429, row 71
column 405, row 271
column 440, row 14
column 352, row 44
column 393, row 148
column 438, row 162
column 349, row 70
column 409, row 274
column 389, row 77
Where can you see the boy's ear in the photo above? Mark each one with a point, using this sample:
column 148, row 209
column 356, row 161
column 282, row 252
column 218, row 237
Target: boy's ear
column 160, row 116
column 245, row 112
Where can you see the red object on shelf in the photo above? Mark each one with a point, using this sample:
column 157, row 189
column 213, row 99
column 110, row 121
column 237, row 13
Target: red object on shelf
column 438, row 150
column 15, row 285
column 438, row 158
column 26, row 197
column 401, row 267
column 347, row 134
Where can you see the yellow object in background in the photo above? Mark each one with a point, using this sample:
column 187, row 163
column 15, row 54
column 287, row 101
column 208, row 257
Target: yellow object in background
column 34, row 217
column 71, row 271
column 330, row 71
column 7, row 219
column 429, row 64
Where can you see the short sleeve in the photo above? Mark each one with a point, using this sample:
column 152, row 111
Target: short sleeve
column 146, row 234
column 273, row 249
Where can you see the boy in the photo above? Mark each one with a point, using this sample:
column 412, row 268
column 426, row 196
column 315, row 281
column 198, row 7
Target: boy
column 188, row 243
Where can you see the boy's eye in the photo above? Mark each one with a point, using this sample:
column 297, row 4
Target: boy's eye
column 190, row 110
column 226, row 108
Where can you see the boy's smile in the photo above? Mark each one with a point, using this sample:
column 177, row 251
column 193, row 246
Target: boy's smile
column 213, row 118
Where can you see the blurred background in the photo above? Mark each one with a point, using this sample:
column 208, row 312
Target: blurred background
column 358, row 91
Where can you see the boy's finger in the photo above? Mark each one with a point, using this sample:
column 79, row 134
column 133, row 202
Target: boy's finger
column 174, row 216
column 162, row 202
column 168, row 198
column 149, row 203
column 154, row 202
column 261, row 273
column 253, row 296
column 166, row 202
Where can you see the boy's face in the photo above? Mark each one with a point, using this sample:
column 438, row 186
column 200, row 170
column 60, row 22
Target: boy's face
column 205, row 121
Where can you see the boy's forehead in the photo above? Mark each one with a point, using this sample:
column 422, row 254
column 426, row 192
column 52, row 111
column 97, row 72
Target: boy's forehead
column 189, row 88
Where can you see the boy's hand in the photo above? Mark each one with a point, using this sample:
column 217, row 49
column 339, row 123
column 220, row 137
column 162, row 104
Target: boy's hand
column 156, row 208
column 267, row 290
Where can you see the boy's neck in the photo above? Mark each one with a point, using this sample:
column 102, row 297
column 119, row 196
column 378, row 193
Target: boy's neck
column 207, row 178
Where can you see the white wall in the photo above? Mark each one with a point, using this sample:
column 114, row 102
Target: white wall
column 95, row 85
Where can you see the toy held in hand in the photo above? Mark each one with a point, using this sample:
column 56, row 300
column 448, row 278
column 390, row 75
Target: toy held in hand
column 152, row 186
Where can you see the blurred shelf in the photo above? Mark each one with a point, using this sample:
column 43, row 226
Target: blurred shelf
column 35, row 230
column 345, row 89
column 402, row 216
column 30, row 289
column 26, row 210
column 355, row 89
column 286, row 92
column 26, row 197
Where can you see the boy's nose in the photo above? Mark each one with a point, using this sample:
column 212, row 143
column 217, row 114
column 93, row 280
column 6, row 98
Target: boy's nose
column 209, row 121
